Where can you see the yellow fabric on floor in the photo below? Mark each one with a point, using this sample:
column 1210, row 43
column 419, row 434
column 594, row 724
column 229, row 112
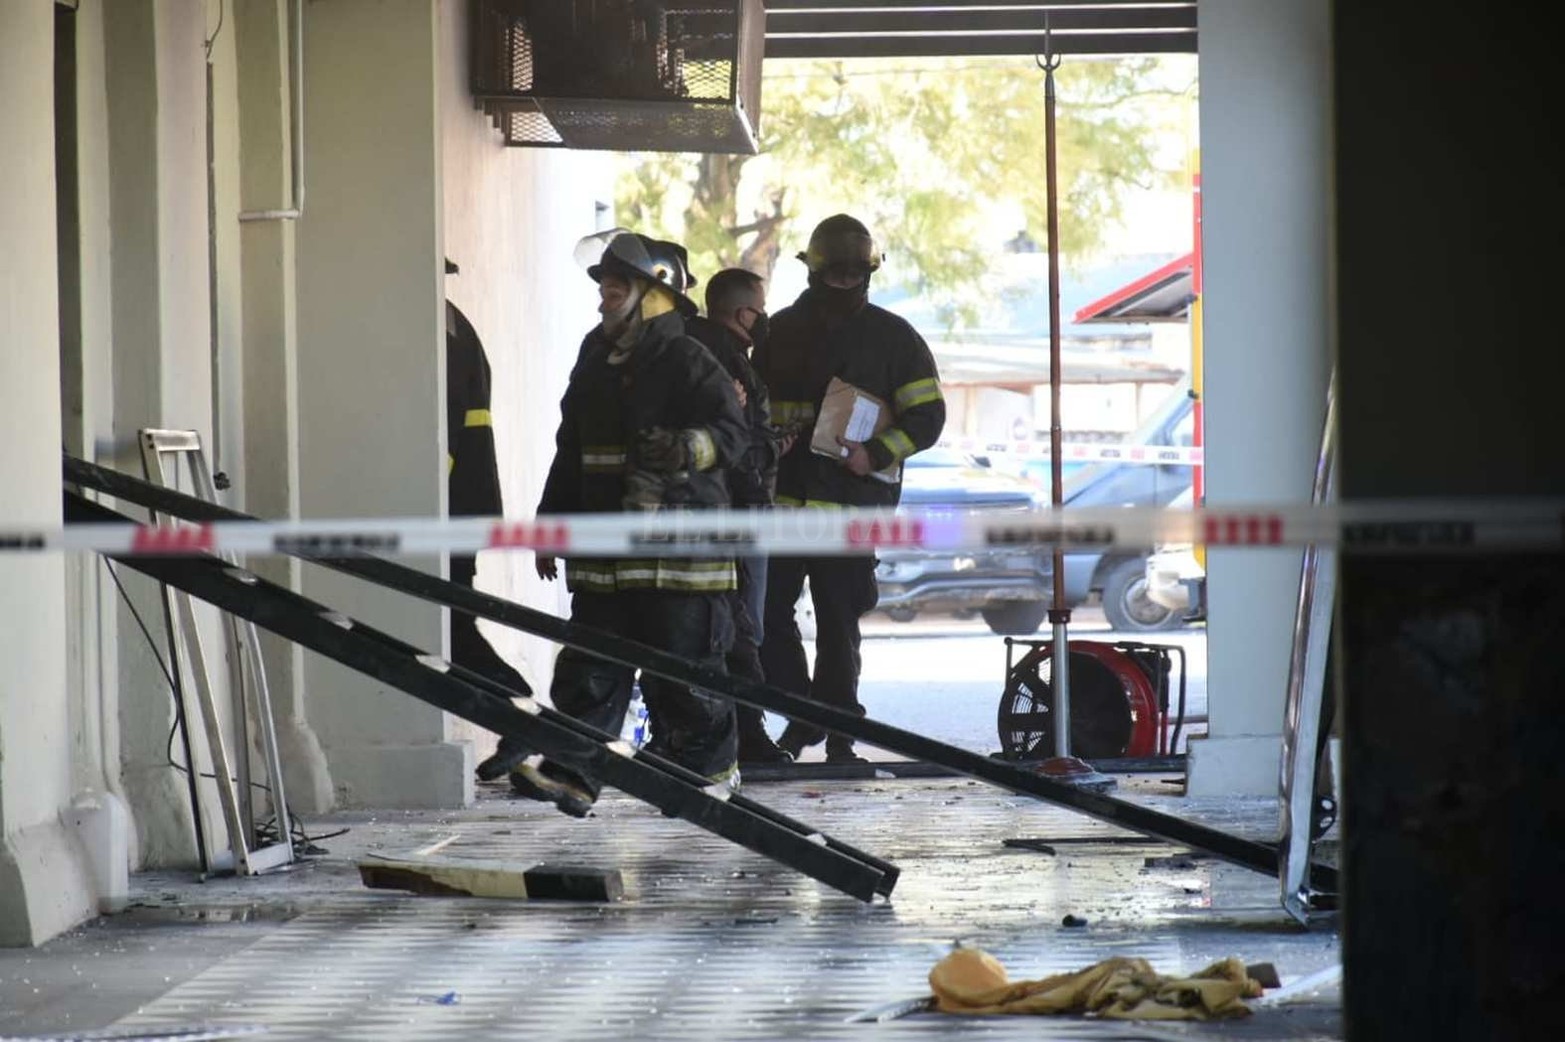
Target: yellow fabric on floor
column 972, row 981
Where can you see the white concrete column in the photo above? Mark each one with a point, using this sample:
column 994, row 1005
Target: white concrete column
column 268, row 482
column 44, row 883
column 1265, row 155
column 371, row 369
column 155, row 77
column 86, row 356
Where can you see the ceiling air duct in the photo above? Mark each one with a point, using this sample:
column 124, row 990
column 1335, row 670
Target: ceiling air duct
column 623, row 75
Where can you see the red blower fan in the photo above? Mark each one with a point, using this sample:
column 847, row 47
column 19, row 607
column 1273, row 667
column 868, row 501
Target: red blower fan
column 1118, row 707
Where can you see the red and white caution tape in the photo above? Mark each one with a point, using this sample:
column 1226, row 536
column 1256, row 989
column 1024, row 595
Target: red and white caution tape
column 1362, row 527
column 1082, row 451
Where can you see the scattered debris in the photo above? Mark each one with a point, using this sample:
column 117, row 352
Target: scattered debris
column 1030, row 844
column 1073, row 920
column 1179, row 861
column 1263, row 973
column 1305, row 986
column 893, row 1010
column 477, row 879
column 438, row 846
column 450, row 998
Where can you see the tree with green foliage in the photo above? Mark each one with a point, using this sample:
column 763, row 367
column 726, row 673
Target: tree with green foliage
column 923, row 151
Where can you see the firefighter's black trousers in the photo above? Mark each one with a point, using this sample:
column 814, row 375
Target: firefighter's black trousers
column 469, row 649
column 694, row 729
column 843, row 590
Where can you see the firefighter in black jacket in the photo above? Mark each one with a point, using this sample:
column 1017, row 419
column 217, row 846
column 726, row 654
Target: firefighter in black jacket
column 472, row 481
column 833, row 330
column 735, row 323
column 649, row 421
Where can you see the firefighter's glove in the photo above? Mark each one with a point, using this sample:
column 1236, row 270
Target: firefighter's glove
column 667, row 451
column 663, row 450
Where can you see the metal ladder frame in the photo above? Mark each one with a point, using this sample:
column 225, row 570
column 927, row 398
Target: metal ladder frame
column 674, row 790
column 246, row 673
column 1302, row 791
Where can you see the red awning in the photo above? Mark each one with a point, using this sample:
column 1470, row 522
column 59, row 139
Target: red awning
column 1163, row 295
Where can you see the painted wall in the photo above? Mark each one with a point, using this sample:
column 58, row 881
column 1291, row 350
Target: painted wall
column 1265, row 153
column 44, row 887
column 512, row 219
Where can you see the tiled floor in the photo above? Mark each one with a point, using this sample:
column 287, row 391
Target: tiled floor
column 710, row 942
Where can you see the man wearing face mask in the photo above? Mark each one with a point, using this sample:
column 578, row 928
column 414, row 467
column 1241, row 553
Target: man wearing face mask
column 736, row 323
column 648, row 412
column 833, row 330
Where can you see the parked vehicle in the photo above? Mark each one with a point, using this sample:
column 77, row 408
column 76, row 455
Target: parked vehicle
column 1010, row 588
column 1119, row 578
column 1175, row 578
column 1013, row 588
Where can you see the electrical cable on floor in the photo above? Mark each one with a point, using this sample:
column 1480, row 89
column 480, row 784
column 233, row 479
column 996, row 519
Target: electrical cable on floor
column 303, row 843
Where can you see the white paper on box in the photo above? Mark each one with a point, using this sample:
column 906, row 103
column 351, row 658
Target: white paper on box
column 861, row 424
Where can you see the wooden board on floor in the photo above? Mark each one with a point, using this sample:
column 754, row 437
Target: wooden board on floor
column 452, row 877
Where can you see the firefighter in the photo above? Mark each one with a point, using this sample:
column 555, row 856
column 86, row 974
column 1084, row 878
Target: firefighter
column 472, row 482
column 649, row 420
column 833, row 330
column 735, row 323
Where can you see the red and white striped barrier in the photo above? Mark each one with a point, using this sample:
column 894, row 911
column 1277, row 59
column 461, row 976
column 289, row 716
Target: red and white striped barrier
column 1417, row 525
column 1082, row 451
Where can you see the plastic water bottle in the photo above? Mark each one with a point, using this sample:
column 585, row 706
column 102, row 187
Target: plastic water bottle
column 635, row 729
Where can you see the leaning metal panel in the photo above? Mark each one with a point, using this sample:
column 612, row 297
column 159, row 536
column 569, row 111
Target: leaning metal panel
column 672, row 789
column 1306, row 713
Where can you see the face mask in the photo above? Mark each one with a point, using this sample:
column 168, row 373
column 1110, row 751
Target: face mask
column 836, row 301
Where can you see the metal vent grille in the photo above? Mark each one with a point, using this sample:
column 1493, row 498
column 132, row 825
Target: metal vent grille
column 626, row 75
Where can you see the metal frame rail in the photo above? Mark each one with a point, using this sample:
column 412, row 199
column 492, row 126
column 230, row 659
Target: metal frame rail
column 672, row 789
column 1247, row 853
column 248, row 688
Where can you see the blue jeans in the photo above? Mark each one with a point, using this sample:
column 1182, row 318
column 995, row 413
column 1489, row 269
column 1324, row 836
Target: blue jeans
column 752, row 588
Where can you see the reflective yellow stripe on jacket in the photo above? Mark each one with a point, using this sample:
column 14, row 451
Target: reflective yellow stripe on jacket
column 917, row 393
column 794, row 501
column 896, row 442
column 603, row 459
column 477, row 418
column 786, row 413
column 703, row 451
column 675, row 574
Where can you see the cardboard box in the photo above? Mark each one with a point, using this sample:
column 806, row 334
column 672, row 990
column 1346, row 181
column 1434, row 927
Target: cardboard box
column 853, row 414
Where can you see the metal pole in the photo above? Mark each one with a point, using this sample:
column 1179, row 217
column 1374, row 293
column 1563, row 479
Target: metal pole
column 1062, row 765
column 1059, row 613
